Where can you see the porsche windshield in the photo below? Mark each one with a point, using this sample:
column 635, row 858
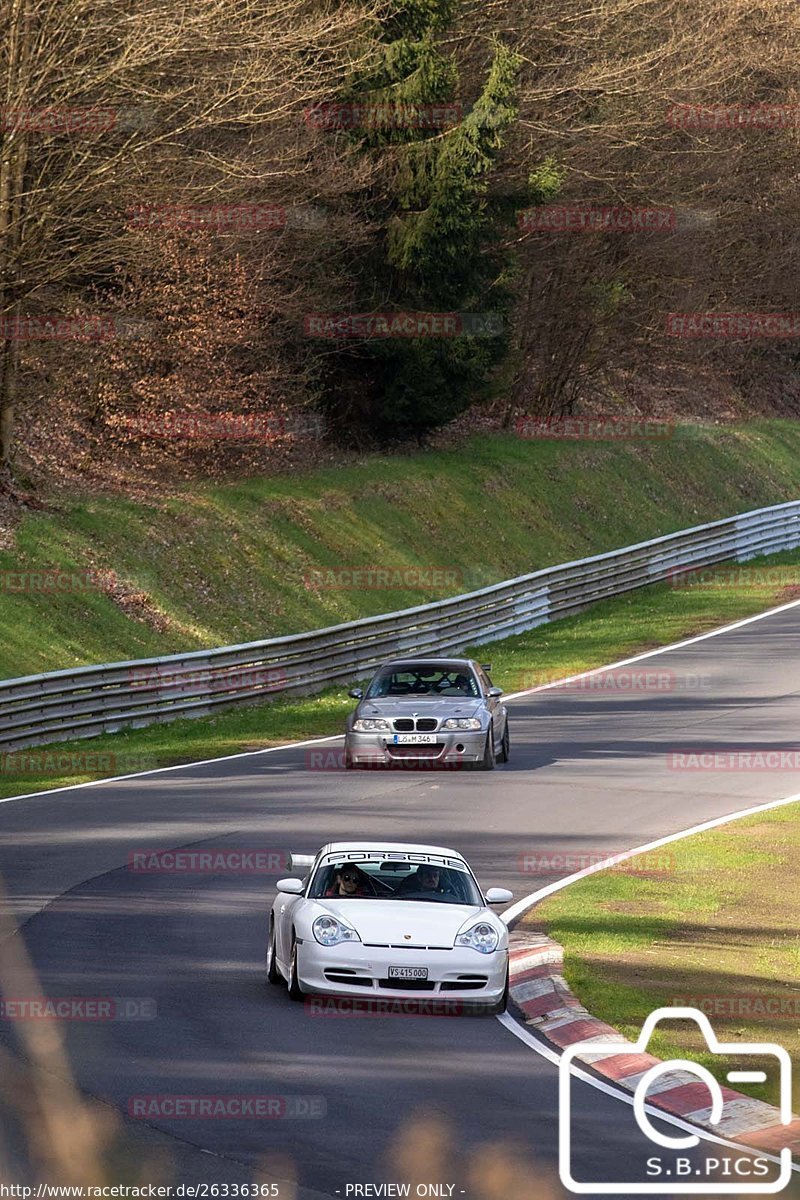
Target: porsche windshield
column 341, row 879
column 425, row 680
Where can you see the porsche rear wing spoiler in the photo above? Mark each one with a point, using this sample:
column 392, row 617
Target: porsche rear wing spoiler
column 301, row 860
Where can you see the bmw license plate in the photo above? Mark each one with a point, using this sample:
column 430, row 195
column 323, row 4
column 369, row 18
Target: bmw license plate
column 408, row 972
column 414, row 739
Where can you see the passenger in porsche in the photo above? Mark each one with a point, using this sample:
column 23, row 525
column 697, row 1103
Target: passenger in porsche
column 350, row 880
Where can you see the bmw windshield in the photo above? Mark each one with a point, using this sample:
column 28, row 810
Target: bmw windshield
column 422, row 680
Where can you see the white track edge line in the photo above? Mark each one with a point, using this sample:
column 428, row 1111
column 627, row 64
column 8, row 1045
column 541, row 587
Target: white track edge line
column 203, row 762
column 335, row 737
column 529, row 901
column 624, row 662
column 618, row 1093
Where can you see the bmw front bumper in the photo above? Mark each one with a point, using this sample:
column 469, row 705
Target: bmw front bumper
column 449, row 748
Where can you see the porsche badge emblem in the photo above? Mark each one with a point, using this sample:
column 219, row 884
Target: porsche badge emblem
column 407, row 937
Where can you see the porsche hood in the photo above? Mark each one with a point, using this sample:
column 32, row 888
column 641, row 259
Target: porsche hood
column 407, row 922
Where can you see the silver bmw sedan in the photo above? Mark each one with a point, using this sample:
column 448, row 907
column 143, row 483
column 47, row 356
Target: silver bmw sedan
column 428, row 712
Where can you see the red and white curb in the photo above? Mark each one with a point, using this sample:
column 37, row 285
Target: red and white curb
column 543, row 1001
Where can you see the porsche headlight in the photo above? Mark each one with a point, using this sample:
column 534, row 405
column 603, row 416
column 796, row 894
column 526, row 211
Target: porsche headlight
column 370, row 725
column 329, row 932
column 482, row 937
column 462, row 723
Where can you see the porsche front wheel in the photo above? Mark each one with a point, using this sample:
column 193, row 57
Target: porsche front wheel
column 273, row 974
column 295, row 991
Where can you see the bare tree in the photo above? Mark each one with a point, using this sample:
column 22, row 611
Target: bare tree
column 598, row 84
column 107, row 101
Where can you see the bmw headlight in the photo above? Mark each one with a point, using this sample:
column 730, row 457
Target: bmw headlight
column 482, row 937
column 329, row 932
column 462, row 723
column 370, row 725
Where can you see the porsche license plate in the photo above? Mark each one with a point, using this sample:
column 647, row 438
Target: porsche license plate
column 408, row 972
column 414, row 739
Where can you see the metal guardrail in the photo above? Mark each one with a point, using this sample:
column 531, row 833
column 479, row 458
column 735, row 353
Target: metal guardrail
column 86, row 701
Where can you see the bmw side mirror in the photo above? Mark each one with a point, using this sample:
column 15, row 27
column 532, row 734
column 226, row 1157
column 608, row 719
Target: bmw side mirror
column 356, row 693
column 493, row 693
column 499, row 896
column 292, row 887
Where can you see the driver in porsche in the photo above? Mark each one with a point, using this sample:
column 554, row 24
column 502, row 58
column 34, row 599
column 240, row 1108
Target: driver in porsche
column 426, row 878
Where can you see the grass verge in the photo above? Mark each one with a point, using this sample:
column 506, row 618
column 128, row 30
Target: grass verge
column 714, row 927
column 214, row 565
column 612, row 630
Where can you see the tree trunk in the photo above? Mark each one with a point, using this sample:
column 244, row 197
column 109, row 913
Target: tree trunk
column 9, row 370
column 13, row 168
column 525, row 322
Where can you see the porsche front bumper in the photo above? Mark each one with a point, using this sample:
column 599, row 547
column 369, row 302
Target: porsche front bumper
column 356, row 969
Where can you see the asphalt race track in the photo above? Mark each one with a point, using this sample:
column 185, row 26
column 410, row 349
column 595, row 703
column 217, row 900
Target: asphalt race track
column 589, row 773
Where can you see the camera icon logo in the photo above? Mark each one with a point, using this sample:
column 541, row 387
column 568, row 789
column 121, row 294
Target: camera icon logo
column 715, row 1108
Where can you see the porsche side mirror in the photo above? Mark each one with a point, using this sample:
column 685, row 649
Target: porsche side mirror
column 292, row 887
column 499, row 896
column 356, row 693
column 493, row 693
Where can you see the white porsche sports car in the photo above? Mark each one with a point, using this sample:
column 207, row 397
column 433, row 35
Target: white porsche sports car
column 388, row 919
